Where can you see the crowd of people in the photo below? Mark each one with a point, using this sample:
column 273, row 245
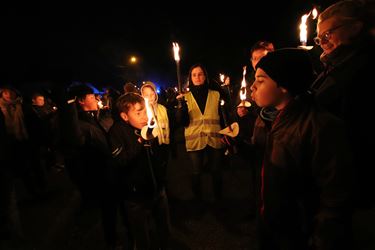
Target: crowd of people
column 304, row 137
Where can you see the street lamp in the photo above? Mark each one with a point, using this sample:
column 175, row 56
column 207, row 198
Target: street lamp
column 133, row 60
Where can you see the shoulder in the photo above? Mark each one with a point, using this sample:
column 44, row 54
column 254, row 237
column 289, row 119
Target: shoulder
column 161, row 107
column 118, row 126
column 214, row 93
column 323, row 122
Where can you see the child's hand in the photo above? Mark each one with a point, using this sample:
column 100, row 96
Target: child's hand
column 242, row 111
column 180, row 96
column 140, row 140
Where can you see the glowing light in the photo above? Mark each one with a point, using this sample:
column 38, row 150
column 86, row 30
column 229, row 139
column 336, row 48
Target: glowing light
column 176, row 51
column 303, row 29
column 151, row 122
column 222, row 77
column 243, row 85
column 314, row 13
column 100, row 104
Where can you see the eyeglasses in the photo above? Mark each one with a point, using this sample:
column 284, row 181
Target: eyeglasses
column 326, row 35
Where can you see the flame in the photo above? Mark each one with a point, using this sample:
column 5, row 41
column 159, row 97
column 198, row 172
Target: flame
column 243, row 85
column 303, row 25
column 222, row 102
column 100, row 104
column 222, row 77
column 176, row 50
column 151, row 122
column 314, row 13
column 303, row 29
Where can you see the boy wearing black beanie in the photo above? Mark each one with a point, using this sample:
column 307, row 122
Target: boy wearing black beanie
column 305, row 172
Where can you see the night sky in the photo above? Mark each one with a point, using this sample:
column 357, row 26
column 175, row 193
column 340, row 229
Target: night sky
column 92, row 43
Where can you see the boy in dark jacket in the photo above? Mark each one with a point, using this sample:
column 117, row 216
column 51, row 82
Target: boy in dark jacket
column 140, row 178
column 305, row 171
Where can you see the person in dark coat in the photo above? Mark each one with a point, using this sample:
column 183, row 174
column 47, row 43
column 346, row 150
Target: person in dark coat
column 87, row 155
column 13, row 165
column 305, row 169
column 41, row 121
column 86, row 146
column 140, row 175
column 343, row 33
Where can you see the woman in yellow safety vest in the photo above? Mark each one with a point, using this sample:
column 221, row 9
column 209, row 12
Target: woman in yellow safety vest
column 202, row 121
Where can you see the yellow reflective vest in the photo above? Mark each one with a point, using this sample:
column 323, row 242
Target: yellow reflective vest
column 203, row 128
column 162, row 124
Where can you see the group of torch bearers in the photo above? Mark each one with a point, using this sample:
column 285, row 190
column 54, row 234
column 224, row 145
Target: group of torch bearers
column 305, row 173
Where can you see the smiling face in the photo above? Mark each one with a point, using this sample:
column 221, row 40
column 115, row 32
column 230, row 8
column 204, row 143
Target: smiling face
column 335, row 31
column 330, row 34
column 149, row 93
column 340, row 24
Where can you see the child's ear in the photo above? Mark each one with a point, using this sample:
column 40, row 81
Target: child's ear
column 124, row 116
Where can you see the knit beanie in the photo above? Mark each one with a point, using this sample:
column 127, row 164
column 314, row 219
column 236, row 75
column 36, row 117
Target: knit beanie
column 290, row 68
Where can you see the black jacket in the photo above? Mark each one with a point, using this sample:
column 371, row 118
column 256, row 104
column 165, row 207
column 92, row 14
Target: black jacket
column 307, row 179
column 138, row 169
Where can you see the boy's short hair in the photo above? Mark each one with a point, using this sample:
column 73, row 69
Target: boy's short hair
column 36, row 94
column 126, row 101
column 130, row 88
column 262, row 45
column 79, row 90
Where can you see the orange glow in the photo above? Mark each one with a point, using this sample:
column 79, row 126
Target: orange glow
column 243, row 85
column 176, row 51
column 151, row 122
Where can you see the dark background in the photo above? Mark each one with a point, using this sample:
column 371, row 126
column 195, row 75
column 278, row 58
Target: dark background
column 60, row 43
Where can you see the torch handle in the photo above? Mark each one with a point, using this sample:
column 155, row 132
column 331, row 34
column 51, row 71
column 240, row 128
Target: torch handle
column 223, row 112
column 178, row 77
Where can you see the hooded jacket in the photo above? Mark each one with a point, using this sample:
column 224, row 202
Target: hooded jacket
column 161, row 116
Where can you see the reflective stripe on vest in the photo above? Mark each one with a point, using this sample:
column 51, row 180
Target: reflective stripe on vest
column 163, row 124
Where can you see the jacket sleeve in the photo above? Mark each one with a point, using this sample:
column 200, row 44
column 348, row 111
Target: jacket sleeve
column 333, row 173
column 72, row 134
column 124, row 145
column 182, row 114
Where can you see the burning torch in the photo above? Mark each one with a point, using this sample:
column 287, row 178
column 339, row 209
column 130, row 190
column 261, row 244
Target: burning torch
column 303, row 29
column 176, row 51
column 148, row 132
column 243, row 103
column 231, row 130
column 225, row 82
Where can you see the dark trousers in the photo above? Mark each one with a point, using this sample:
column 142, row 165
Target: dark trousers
column 10, row 224
column 149, row 222
column 212, row 159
